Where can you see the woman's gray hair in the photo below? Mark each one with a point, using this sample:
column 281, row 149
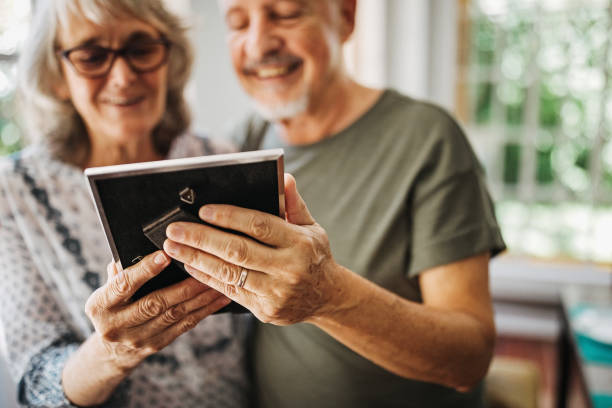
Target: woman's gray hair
column 45, row 116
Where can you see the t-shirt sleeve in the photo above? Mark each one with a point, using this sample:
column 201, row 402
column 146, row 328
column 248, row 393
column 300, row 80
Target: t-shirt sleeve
column 452, row 213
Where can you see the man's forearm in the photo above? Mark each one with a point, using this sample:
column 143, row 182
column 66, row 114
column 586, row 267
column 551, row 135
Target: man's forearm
column 90, row 375
column 407, row 338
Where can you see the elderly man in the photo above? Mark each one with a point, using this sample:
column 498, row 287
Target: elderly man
column 376, row 294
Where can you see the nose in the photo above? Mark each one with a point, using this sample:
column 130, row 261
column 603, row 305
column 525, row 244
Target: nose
column 262, row 39
column 121, row 74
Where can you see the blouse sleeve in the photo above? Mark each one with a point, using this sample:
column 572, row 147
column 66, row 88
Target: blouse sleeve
column 40, row 386
column 34, row 334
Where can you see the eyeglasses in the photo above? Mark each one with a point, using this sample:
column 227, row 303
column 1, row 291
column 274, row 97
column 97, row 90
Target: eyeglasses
column 94, row 61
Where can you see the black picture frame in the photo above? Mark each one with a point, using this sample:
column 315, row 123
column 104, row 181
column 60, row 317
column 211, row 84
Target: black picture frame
column 135, row 202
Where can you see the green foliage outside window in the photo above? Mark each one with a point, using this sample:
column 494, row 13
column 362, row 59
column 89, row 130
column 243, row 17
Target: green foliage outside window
column 10, row 135
column 540, row 91
column 14, row 17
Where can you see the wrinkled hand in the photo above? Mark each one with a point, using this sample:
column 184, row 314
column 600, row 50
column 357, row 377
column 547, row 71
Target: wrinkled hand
column 131, row 331
column 290, row 269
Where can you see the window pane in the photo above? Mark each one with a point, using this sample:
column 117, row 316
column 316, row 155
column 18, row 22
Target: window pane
column 540, row 81
column 14, row 17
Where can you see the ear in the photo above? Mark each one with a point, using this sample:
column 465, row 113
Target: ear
column 348, row 11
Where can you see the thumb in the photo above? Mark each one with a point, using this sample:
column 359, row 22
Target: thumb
column 295, row 207
column 111, row 270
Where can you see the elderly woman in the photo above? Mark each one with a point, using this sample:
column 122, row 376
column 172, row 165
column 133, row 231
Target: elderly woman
column 102, row 83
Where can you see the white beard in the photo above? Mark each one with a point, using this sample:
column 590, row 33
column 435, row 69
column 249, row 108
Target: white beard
column 280, row 111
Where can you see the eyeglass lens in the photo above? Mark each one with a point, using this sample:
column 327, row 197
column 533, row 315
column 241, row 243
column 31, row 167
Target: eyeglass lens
column 95, row 60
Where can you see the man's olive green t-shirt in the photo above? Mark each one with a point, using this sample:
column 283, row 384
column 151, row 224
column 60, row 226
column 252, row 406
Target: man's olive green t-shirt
column 398, row 191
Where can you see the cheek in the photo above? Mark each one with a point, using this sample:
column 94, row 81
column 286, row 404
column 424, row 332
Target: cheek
column 314, row 45
column 157, row 83
column 325, row 46
column 82, row 96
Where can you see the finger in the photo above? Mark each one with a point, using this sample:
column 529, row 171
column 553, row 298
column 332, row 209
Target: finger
column 239, row 295
column 173, row 315
column 182, row 291
column 232, row 248
column 295, row 207
column 225, row 272
column 111, row 271
column 188, row 322
column 121, row 287
column 155, row 304
column 263, row 227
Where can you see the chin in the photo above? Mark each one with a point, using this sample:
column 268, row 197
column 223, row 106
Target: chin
column 129, row 135
column 282, row 110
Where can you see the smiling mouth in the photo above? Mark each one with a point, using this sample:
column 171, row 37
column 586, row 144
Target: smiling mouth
column 122, row 102
column 275, row 71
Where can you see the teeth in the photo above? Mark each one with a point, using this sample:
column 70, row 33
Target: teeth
column 271, row 72
column 122, row 101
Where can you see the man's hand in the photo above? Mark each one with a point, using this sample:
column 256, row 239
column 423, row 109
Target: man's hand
column 289, row 268
column 292, row 277
column 131, row 331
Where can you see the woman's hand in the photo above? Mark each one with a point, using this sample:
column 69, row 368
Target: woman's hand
column 131, row 331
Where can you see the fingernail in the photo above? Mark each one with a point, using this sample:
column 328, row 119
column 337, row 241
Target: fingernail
column 160, row 258
column 175, row 232
column 207, row 212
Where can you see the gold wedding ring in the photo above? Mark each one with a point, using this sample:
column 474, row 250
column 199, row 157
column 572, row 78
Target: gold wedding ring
column 242, row 279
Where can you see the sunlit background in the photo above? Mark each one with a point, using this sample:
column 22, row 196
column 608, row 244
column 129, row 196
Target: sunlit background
column 534, row 91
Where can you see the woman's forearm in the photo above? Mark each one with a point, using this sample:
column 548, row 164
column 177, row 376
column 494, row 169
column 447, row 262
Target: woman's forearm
column 92, row 374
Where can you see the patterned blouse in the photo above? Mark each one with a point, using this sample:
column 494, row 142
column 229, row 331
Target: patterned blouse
column 53, row 254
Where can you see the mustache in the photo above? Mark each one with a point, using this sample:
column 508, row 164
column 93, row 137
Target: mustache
column 278, row 59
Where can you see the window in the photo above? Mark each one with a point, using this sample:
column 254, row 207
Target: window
column 14, row 19
column 535, row 90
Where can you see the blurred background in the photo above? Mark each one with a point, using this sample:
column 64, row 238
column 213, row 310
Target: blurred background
column 530, row 81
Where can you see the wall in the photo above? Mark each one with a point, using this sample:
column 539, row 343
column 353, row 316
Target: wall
column 217, row 100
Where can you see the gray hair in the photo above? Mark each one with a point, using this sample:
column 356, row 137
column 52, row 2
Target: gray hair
column 49, row 119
